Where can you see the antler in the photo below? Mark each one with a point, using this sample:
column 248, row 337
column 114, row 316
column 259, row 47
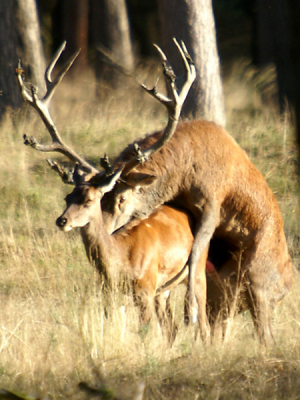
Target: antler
column 42, row 104
column 173, row 104
column 106, row 165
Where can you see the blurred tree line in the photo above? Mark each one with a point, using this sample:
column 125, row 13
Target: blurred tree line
column 122, row 29
column 127, row 29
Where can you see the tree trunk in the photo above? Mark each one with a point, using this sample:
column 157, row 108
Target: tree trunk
column 75, row 14
column 30, row 33
column 193, row 22
column 110, row 29
column 294, row 18
column 9, row 91
column 274, row 44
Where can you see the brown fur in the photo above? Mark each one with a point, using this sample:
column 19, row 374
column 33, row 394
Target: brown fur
column 203, row 169
column 149, row 253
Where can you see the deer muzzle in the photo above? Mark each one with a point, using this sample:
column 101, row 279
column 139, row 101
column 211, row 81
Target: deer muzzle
column 62, row 223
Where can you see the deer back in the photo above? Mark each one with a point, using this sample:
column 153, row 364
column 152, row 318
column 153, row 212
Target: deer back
column 158, row 246
column 201, row 161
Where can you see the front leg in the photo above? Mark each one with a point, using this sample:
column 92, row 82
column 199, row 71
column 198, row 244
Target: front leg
column 145, row 302
column 165, row 316
column 203, row 235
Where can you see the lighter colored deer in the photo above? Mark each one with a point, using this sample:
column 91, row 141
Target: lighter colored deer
column 151, row 254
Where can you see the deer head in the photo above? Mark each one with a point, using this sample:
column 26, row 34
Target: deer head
column 83, row 204
column 119, row 208
column 173, row 104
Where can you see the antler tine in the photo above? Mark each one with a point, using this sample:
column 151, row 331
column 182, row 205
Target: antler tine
column 41, row 105
column 189, row 68
column 177, row 99
column 167, row 70
column 78, row 176
column 106, row 165
column 65, row 174
column 173, row 103
column 51, row 85
column 54, row 60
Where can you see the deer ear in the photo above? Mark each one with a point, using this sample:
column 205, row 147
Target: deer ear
column 137, row 180
column 109, row 181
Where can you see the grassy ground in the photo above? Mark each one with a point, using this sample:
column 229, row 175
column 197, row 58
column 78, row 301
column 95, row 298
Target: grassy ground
column 53, row 333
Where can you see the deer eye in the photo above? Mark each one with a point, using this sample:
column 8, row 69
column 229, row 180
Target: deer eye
column 122, row 200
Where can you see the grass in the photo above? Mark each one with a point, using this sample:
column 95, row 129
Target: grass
column 53, row 330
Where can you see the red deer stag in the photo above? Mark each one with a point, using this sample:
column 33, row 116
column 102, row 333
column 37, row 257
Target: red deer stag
column 196, row 165
column 199, row 166
column 204, row 170
column 152, row 253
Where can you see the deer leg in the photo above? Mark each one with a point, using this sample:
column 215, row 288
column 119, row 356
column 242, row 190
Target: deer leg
column 203, row 235
column 173, row 328
column 263, row 286
column 145, row 301
column 165, row 316
column 261, row 312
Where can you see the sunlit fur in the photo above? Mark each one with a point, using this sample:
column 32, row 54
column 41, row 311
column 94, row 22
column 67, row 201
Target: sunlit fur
column 203, row 169
column 149, row 253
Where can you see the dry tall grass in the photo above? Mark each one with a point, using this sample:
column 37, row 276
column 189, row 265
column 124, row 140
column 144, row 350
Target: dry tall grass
column 54, row 332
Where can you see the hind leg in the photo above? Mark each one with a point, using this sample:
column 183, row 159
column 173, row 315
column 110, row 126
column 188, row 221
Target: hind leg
column 224, row 297
column 264, row 289
column 261, row 312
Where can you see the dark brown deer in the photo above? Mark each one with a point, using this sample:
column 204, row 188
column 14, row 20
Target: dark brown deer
column 203, row 169
column 199, row 166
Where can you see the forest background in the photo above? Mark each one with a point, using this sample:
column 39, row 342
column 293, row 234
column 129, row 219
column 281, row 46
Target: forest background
column 55, row 341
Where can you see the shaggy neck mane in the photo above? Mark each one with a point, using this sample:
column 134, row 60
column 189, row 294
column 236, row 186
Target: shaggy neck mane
column 166, row 164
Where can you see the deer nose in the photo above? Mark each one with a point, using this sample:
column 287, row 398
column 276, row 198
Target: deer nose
column 61, row 222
